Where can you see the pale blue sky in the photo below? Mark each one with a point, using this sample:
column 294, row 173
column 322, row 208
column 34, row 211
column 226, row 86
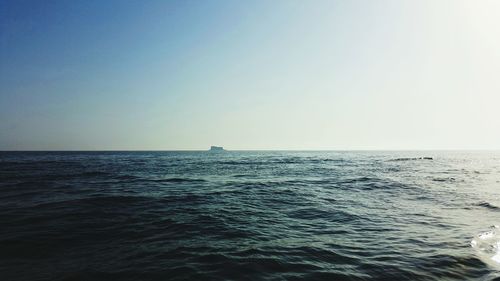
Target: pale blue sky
column 393, row 74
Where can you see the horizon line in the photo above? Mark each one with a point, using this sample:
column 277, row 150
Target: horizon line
column 242, row 150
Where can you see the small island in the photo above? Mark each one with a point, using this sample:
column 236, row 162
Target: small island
column 216, row 148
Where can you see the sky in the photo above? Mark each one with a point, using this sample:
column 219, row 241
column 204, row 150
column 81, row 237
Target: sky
column 175, row 75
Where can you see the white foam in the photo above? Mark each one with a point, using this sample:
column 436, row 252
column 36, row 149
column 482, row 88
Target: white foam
column 487, row 245
column 496, row 258
column 486, row 235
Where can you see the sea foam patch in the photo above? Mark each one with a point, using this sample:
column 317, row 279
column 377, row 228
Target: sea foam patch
column 487, row 245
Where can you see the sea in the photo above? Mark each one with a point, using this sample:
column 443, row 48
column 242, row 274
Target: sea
column 250, row 215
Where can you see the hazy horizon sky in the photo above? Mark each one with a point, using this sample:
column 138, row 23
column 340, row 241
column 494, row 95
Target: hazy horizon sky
column 388, row 74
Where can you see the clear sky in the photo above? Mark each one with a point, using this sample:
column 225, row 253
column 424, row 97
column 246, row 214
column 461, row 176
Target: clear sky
column 388, row 74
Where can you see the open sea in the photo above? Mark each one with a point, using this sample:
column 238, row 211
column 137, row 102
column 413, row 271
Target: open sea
column 249, row 215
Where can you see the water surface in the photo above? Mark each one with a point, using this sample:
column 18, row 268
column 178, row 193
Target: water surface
column 247, row 215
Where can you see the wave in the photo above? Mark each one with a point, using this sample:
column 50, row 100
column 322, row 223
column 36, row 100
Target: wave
column 487, row 245
column 92, row 174
column 291, row 160
column 449, row 179
column 412, row 158
column 136, row 179
column 488, row 206
column 308, row 213
column 177, row 180
column 360, row 180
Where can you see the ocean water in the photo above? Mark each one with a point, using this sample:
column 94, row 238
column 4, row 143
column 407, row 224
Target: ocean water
column 249, row 215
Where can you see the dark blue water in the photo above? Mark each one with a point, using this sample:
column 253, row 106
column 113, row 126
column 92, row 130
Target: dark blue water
column 247, row 215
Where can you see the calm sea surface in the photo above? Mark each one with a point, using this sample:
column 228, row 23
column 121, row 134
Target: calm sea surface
column 249, row 215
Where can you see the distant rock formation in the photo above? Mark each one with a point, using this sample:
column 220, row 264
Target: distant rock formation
column 216, row 148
